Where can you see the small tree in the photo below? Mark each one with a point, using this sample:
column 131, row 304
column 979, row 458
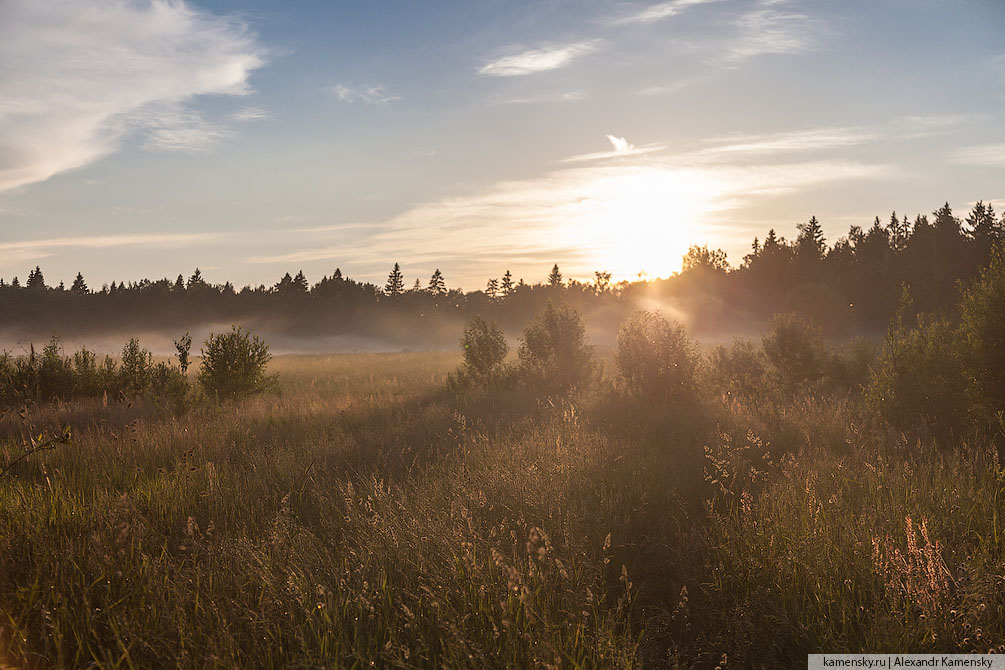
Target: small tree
column 484, row 347
column 79, row 286
column 553, row 354
column 137, row 364
column 796, row 349
column 234, row 364
column 983, row 325
column 656, row 358
column 183, row 345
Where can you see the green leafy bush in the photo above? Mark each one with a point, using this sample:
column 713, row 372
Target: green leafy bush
column 797, row 353
column 920, row 382
column 657, row 359
column 554, row 356
column 484, row 347
column 234, row 364
column 137, row 367
column 739, row 370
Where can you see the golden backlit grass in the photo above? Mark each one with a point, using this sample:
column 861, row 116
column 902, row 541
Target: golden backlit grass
column 361, row 516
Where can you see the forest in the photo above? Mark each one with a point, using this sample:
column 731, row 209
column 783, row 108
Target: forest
column 851, row 287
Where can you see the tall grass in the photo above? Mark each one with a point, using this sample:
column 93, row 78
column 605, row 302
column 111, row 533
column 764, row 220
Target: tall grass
column 363, row 516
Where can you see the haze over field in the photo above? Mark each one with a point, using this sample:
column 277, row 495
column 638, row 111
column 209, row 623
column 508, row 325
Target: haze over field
column 143, row 139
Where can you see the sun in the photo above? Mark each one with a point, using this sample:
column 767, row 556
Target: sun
column 641, row 221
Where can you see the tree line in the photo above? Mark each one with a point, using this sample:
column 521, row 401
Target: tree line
column 853, row 285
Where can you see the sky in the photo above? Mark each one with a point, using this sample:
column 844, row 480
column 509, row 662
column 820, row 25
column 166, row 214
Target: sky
column 249, row 139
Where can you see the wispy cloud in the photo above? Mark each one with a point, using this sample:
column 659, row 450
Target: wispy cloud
column 44, row 247
column 374, row 94
column 176, row 129
column 624, row 216
column 787, row 142
column 84, row 73
column 770, row 29
column 250, row 114
column 986, row 155
column 621, row 148
column 541, row 59
column 656, row 12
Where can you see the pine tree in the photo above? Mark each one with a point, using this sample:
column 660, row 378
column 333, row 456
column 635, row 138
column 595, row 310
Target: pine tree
column 983, row 224
column 35, row 279
column 437, row 285
column 555, row 278
column 395, row 285
column 899, row 231
column 810, row 242
column 285, row 284
column 196, row 280
column 507, row 284
column 338, row 275
column 179, row 285
column 15, row 283
column 300, row 283
column 79, row 285
column 492, row 289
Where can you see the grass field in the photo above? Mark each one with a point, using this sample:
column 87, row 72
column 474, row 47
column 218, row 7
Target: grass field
column 361, row 515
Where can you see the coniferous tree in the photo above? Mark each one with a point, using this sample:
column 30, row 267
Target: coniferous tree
column 492, row 289
column 196, row 280
column 437, row 285
column 810, row 242
column 79, row 286
column 300, row 283
column 555, row 278
column 35, row 279
column 395, row 285
column 15, row 283
column 179, row 285
column 899, row 231
column 506, row 286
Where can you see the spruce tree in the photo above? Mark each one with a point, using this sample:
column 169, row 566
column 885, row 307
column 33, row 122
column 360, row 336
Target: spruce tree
column 395, row 285
column 437, row 285
column 555, row 278
column 79, row 285
column 507, row 284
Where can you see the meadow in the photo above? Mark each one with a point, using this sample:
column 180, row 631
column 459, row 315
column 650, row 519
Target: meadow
column 369, row 511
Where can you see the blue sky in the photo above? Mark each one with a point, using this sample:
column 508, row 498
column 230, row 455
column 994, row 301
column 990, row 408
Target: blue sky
column 144, row 139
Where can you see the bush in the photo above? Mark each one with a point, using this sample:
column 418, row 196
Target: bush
column 738, row 371
column 797, row 352
column 983, row 325
column 920, row 382
column 656, row 358
column 484, row 347
column 553, row 353
column 234, row 364
column 137, row 367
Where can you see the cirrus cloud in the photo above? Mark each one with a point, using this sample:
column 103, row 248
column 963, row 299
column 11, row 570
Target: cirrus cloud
column 82, row 75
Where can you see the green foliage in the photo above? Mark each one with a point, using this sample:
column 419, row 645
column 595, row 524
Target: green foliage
column 920, row 382
column 739, row 370
column 137, row 367
column 796, row 350
column 233, row 364
column 657, row 359
column 183, row 345
column 554, row 356
column 983, row 325
column 484, row 348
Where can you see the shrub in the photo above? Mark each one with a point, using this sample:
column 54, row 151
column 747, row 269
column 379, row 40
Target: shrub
column 656, row 358
column 234, row 364
column 137, row 367
column 983, row 325
column 797, row 352
column 738, row 371
column 484, row 347
column 553, row 352
column 920, row 384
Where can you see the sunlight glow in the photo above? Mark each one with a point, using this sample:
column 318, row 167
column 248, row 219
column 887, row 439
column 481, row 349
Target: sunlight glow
column 642, row 220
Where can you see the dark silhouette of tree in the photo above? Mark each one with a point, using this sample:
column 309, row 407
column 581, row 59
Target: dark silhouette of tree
column 701, row 258
column 810, row 243
column 899, row 231
column 15, row 283
column 195, row 281
column 601, row 282
column 395, row 285
column 79, row 286
column 35, row 279
column 506, row 286
column 437, row 285
column 492, row 289
column 300, row 283
column 555, row 277
column 179, row 285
